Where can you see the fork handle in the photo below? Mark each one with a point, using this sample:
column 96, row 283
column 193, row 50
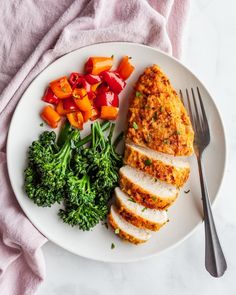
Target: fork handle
column 215, row 262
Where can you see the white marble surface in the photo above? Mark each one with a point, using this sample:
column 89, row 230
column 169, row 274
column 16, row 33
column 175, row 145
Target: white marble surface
column 210, row 52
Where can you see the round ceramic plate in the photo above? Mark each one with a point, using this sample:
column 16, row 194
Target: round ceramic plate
column 184, row 215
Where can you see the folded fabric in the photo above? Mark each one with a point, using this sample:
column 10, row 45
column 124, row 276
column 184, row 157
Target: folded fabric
column 33, row 35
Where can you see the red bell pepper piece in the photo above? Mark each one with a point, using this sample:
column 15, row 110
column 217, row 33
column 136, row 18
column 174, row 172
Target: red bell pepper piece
column 92, row 79
column 91, row 95
column 108, row 98
column 114, row 81
column 69, row 104
column 50, row 97
column 82, row 83
column 103, row 87
column 74, row 78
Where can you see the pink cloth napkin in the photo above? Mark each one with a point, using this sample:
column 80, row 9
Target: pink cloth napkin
column 34, row 34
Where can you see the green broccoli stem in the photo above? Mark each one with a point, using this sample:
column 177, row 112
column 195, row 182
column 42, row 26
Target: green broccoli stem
column 63, row 133
column 111, row 132
column 65, row 152
column 104, row 126
column 98, row 138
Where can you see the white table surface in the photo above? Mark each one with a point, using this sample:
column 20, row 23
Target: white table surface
column 211, row 53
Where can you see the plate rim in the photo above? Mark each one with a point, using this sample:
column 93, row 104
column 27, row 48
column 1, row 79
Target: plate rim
column 224, row 141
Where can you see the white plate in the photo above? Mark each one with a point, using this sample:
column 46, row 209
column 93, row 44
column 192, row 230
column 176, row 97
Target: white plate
column 185, row 214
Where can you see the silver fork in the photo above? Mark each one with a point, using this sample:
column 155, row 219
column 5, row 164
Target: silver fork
column 215, row 262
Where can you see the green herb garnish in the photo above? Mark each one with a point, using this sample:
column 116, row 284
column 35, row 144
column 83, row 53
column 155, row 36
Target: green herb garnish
column 135, row 126
column 144, row 209
column 63, row 89
column 155, row 116
column 41, row 124
column 117, row 231
column 154, row 199
column 148, row 162
column 138, row 94
column 113, row 246
column 112, row 56
column 166, row 141
column 186, row 192
column 131, row 200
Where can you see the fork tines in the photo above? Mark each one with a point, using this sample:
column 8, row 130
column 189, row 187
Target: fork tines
column 196, row 111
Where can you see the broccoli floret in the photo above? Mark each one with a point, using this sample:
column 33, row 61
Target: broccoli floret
column 79, row 190
column 85, row 215
column 46, row 171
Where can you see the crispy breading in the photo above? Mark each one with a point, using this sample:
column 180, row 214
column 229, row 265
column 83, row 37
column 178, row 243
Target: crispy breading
column 157, row 118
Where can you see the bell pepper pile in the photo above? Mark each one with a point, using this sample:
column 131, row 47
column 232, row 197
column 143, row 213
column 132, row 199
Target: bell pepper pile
column 89, row 96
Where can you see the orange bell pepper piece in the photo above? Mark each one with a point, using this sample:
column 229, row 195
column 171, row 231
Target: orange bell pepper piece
column 60, row 110
column 76, row 119
column 50, row 116
column 125, row 68
column 96, row 65
column 61, row 87
column 109, row 113
column 95, row 86
column 81, row 99
column 95, row 114
column 87, row 115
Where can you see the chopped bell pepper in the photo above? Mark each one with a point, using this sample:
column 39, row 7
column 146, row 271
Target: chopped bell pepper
column 108, row 98
column 114, row 81
column 60, row 109
column 69, row 104
column 82, row 83
column 87, row 115
column 109, row 113
column 94, row 87
column 103, row 87
column 92, row 79
column 76, row 119
column 95, row 114
column 61, row 87
column 81, row 99
column 50, row 116
column 96, row 65
column 91, row 95
column 74, row 78
column 125, row 69
column 50, row 97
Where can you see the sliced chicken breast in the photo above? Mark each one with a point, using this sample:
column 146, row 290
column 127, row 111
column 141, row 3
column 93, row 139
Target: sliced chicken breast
column 146, row 190
column 167, row 168
column 126, row 230
column 137, row 214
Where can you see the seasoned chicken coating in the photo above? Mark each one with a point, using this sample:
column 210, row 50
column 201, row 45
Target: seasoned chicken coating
column 157, row 118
